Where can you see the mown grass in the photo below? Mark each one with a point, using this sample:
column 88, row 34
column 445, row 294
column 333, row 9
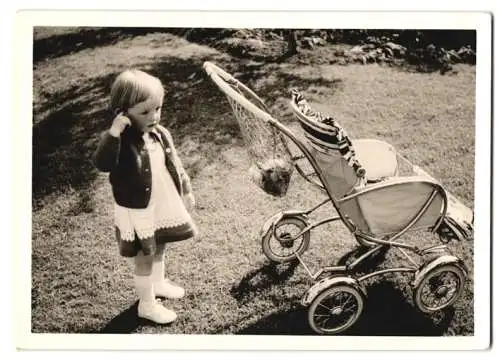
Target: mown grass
column 80, row 284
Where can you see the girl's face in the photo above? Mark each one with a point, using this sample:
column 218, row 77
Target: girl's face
column 146, row 115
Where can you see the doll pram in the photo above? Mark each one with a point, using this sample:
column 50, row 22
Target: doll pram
column 377, row 211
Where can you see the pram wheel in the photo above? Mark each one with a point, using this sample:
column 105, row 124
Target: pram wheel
column 439, row 288
column 335, row 309
column 280, row 246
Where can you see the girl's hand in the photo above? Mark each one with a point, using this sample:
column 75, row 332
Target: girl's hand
column 189, row 201
column 120, row 122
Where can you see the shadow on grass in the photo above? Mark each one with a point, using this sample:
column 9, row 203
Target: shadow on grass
column 386, row 313
column 127, row 322
column 124, row 323
column 283, row 82
column 257, row 280
column 369, row 264
column 64, row 141
column 72, row 41
column 288, row 322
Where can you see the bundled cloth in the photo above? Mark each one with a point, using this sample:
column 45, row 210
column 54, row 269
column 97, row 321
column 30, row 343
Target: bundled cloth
column 273, row 176
column 458, row 222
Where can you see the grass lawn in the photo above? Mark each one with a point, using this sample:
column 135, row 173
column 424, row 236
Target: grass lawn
column 79, row 282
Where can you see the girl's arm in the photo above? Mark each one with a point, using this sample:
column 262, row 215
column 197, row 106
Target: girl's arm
column 105, row 157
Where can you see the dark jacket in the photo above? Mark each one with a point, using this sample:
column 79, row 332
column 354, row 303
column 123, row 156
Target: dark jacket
column 127, row 160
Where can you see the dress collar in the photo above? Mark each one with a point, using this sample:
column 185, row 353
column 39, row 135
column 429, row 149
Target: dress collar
column 133, row 133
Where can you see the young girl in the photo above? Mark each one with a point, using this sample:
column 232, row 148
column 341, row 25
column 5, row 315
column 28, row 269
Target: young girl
column 150, row 187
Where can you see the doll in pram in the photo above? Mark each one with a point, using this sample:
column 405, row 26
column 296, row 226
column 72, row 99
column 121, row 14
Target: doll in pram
column 377, row 193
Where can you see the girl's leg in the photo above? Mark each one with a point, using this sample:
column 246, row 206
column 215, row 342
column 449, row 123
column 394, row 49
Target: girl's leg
column 148, row 307
column 163, row 287
column 143, row 264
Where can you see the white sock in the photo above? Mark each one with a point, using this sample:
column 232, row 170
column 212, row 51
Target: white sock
column 158, row 273
column 144, row 288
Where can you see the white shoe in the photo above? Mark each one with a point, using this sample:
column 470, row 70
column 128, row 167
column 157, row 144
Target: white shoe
column 156, row 312
column 168, row 290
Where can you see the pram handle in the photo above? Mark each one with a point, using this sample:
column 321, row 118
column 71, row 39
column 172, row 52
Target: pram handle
column 216, row 73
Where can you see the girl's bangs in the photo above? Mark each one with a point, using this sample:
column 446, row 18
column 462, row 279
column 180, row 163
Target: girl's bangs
column 131, row 90
column 146, row 89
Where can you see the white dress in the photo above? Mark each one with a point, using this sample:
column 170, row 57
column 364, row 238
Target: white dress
column 166, row 208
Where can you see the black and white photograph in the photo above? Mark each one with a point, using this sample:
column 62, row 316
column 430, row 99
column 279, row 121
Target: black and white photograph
column 296, row 179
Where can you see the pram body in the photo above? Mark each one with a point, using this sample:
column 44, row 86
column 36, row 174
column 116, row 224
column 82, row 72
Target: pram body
column 395, row 197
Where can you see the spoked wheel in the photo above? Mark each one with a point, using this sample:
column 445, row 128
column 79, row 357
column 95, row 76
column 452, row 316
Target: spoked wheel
column 441, row 287
column 279, row 246
column 335, row 309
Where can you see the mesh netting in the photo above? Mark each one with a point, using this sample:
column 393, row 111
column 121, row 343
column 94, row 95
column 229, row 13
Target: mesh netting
column 260, row 138
column 272, row 164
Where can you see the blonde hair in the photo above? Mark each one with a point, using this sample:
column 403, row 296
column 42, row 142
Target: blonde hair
column 132, row 87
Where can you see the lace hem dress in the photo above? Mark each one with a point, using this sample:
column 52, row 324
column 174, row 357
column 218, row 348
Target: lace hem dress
column 164, row 220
